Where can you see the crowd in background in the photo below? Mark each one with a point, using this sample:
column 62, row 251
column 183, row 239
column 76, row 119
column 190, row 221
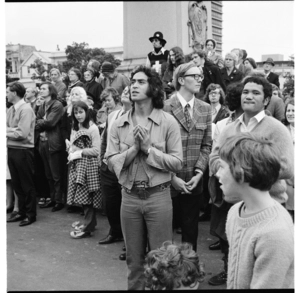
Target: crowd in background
column 59, row 140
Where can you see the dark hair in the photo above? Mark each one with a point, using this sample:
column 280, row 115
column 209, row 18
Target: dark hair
column 290, row 102
column 114, row 93
column 77, row 72
column 17, row 87
column 245, row 54
column 252, row 157
column 179, row 58
column 201, row 54
column 213, row 87
column 251, row 61
column 52, row 90
column 86, row 122
column 155, row 89
column 267, row 87
column 233, row 96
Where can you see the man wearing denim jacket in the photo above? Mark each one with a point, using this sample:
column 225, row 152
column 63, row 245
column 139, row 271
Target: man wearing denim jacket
column 194, row 118
column 144, row 148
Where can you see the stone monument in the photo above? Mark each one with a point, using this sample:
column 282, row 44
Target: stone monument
column 183, row 23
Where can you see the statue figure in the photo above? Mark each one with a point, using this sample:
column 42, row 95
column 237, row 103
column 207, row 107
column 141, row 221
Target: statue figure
column 197, row 23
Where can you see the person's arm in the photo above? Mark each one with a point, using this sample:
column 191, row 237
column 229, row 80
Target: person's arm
column 22, row 130
column 172, row 158
column 52, row 118
column 274, row 258
column 94, row 151
column 103, row 142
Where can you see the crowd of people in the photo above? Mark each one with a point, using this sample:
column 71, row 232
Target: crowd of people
column 186, row 138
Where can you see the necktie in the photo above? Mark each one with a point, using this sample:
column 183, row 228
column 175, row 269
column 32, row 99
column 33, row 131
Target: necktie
column 187, row 116
column 13, row 112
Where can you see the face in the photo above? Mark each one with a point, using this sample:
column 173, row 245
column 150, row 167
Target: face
column 172, row 57
column 29, row 94
column 290, row 113
column 72, row 76
column 75, row 96
column 11, row 96
column 253, row 98
column 248, row 64
column 275, row 94
column 125, row 95
column 156, row 43
column 88, row 76
column 79, row 114
column 44, row 91
column 39, row 100
column 210, row 46
column 229, row 62
column 229, row 185
column 189, row 82
column 109, row 102
column 54, row 76
column 214, row 96
column 89, row 66
column 198, row 60
column 139, row 87
column 268, row 66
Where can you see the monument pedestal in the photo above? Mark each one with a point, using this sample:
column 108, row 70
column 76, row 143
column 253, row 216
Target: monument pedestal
column 142, row 19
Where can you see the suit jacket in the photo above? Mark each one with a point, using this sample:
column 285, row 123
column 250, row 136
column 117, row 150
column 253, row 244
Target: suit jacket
column 276, row 108
column 196, row 142
column 234, row 76
column 273, row 78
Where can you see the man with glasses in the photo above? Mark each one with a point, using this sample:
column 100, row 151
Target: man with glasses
column 144, row 148
column 195, row 120
column 159, row 55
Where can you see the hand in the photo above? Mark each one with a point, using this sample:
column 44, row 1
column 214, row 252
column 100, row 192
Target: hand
column 74, row 156
column 137, row 137
column 194, row 181
column 145, row 139
column 68, row 144
column 179, row 185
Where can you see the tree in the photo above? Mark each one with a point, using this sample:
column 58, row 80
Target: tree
column 78, row 55
column 38, row 65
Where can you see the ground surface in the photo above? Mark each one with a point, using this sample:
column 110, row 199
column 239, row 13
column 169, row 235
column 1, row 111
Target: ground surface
column 43, row 256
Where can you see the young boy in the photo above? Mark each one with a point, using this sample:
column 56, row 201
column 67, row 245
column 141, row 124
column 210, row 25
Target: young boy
column 259, row 229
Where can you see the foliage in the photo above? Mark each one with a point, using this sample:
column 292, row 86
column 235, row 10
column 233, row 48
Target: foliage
column 40, row 68
column 292, row 61
column 78, row 55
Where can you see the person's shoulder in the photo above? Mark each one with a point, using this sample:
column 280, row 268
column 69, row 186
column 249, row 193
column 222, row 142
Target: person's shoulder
column 200, row 103
column 234, row 210
column 26, row 107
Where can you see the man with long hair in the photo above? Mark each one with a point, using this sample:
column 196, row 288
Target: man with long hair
column 143, row 149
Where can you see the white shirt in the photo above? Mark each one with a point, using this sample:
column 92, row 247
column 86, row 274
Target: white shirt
column 183, row 103
column 252, row 122
column 19, row 104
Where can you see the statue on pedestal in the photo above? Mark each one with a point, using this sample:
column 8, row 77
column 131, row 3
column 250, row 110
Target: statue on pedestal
column 197, row 24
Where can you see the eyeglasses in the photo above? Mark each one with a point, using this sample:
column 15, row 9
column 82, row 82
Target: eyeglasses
column 214, row 93
column 197, row 77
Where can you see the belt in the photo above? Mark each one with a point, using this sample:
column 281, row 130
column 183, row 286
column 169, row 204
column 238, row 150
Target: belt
column 43, row 138
column 144, row 192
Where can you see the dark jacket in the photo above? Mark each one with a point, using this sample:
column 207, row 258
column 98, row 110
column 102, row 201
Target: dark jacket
column 95, row 89
column 51, row 124
column 273, row 78
column 234, row 76
column 223, row 113
column 212, row 74
column 78, row 83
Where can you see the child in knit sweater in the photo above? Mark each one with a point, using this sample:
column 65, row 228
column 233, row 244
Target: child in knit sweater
column 260, row 231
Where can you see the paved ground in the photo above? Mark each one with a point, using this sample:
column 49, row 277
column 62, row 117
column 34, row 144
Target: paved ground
column 43, row 256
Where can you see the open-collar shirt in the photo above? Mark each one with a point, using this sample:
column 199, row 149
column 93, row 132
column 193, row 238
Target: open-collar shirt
column 252, row 122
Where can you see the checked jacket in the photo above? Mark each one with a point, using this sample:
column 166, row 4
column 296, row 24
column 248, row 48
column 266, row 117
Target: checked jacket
column 196, row 141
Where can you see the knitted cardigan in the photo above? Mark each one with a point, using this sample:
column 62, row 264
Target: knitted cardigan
column 261, row 249
column 271, row 128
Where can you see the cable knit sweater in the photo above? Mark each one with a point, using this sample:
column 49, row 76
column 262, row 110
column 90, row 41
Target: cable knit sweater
column 261, row 249
column 271, row 128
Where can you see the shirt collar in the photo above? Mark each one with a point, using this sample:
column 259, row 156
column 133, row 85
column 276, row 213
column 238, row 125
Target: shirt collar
column 19, row 104
column 183, row 102
column 258, row 116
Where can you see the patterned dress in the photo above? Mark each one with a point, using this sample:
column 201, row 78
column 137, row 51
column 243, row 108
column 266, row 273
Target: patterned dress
column 84, row 175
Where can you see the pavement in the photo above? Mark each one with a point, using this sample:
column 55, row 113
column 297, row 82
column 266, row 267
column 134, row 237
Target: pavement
column 43, row 256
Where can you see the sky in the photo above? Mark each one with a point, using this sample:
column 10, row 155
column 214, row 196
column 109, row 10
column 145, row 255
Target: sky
column 260, row 27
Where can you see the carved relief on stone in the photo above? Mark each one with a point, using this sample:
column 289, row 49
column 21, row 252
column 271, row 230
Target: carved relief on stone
column 197, row 24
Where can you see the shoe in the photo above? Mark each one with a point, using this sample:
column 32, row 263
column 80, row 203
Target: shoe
column 204, row 217
column 110, row 239
column 58, row 207
column 16, row 218
column 215, row 246
column 27, row 221
column 218, row 280
column 80, row 234
column 178, row 231
column 124, row 248
column 122, row 256
column 13, row 214
column 48, row 205
column 42, row 201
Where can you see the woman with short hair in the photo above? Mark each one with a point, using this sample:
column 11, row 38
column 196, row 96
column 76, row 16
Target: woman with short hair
column 229, row 73
column 210, row 48
column 93, row 88
column 61, row 88
column 74, row 75
column 250, row 65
